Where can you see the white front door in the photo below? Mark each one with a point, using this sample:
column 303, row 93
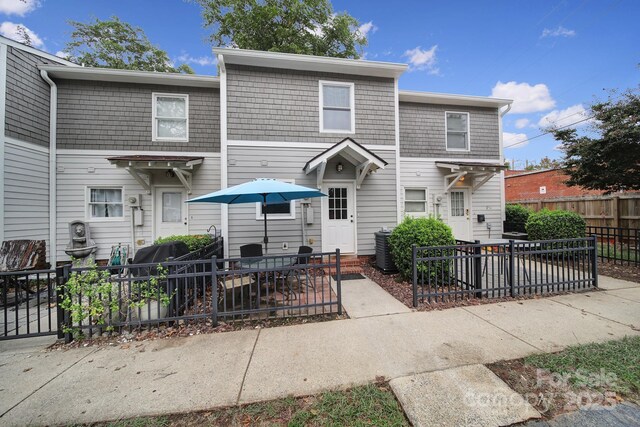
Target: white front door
column 170, row 211
column 338, row 217
column 460, row 214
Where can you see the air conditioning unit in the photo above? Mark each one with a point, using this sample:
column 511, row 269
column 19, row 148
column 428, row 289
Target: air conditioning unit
column 134, row 200
column 383, row 254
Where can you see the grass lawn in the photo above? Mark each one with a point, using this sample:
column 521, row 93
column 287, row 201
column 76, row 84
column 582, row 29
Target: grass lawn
column 370, row 405
column 604, row 372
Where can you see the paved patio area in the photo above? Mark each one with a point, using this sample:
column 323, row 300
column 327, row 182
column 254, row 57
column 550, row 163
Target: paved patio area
column 207, row 371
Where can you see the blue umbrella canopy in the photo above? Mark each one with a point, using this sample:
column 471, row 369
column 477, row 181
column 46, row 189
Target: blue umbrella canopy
column 262, row 190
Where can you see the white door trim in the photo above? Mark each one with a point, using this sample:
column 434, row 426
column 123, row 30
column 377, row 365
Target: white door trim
column 469, row 198
column 324, row 205
column 154, row 194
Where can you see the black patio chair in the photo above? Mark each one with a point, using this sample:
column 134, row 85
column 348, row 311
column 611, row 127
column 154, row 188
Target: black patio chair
column 300, row 263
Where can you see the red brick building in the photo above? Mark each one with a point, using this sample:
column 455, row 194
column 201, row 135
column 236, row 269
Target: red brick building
column 539, row 185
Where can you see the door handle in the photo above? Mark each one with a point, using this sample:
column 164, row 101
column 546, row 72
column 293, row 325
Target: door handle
column 467, row 212
column 185, row 221
column 351, row 218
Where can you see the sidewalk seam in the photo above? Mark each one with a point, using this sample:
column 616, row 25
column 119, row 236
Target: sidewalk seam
column 624, row 298
column 43, row 385
column 591, row 313
column 503, row 330
column 247, row 369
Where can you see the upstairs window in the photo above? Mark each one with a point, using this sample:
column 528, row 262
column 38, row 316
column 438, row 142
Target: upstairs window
column 170, row 117
column 337, row 111
column 457, row 131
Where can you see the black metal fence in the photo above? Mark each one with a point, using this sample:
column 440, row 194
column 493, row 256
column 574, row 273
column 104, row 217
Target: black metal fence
column 29, row 303
column 617, row 245
column 474, row 270
column 98, row 299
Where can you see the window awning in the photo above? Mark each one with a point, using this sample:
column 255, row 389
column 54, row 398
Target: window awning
column 365, row 161
column 480, row 172
column 181, row 166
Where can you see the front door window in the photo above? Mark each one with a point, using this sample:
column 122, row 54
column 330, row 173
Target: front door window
column 338, row 203
column 171, row 206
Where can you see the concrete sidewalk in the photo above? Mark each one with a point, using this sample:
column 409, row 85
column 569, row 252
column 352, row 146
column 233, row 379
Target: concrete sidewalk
column 208, row 371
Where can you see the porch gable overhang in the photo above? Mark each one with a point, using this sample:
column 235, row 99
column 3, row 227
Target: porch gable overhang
column 480, row 172
column 365, row 161
column 142, row 165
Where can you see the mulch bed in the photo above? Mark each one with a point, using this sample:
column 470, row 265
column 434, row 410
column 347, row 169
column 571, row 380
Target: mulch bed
column 189, row 328
column 617, row 271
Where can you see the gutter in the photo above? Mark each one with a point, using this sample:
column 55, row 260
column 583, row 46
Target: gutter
column 53, row 152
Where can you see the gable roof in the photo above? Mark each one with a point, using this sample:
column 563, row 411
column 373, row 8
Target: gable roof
column 38, row 52
column 326, row 64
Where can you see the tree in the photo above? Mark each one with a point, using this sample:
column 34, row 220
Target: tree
column 307, row 27
column 610, row 162
column 116, row 44
column 544, row 164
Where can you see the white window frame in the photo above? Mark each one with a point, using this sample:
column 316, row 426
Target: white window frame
column 446, row 131
column 87, row 203
column 352, row 100
column 292, row 208
column 426, row 201
column 155, row 118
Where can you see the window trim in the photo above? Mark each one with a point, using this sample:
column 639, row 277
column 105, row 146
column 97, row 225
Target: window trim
column 292, row 209
column 352, row 101
column 446, row 131
column 154, row 118
column 87, row 203
column 426, row 201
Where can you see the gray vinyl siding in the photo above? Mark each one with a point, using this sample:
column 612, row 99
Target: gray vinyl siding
column 26, row 193
column 283, row 105
column 423, row 131
column 74, row 177
column 27, row 103
column 486, row 200
column 118, row 116
column 375, row 201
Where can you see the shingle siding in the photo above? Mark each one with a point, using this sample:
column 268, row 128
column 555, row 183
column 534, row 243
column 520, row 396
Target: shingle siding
column 283, row 105
column 423, row 133
column 118, row 116
column 27, row 101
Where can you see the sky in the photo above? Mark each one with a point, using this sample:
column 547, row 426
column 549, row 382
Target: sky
column 553, row 58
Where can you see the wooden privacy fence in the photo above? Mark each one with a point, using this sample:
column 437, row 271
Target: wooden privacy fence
column 620, row 210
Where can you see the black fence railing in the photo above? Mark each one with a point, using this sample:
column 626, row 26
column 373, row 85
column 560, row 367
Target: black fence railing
column 29, row 303
column 617, row 245
column 95, row 300
column 475, row 270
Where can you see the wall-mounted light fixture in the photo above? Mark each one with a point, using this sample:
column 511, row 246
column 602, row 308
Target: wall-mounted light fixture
column 339, row 167
column 170, row 174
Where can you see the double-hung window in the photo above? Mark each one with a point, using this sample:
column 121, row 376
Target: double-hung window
column 337, row 107
column 170, row 117
column 286, row 210
column 457, row 131
column 105, row 203
column 415, row 201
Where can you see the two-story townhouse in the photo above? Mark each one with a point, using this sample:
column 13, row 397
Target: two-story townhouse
column 133, row 146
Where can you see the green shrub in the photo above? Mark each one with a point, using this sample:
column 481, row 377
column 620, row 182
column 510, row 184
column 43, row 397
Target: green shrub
column 193, row 242
column 517, row 214
column 548, row 225
column 420, row 232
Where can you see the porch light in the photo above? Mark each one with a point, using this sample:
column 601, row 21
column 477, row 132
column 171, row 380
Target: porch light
column 461, row 178
column 339, row 167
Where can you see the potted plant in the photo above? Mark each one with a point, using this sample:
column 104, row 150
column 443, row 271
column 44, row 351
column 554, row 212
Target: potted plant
column 149, row 299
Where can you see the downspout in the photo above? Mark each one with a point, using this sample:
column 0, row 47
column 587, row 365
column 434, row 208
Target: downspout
column 53, row 216
column 501, row 143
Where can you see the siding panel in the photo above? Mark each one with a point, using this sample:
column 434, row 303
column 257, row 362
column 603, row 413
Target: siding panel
column 118, row 116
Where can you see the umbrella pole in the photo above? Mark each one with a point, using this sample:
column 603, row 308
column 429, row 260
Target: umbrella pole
column 264, row 213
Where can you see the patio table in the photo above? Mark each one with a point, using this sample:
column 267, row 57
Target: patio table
column 277, row 265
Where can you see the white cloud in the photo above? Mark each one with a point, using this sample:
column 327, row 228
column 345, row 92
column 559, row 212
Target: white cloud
column 420, row 59
column 367, row 28
column 522, row 123
column 557, row 32
column 62, row 54
column 14, row 31
column 509, row 139
column 526, row 98
column 200, row 60
column 18, row 7
column 561, row 118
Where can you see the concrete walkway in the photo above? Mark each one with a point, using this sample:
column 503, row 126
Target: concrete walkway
column 208, row 371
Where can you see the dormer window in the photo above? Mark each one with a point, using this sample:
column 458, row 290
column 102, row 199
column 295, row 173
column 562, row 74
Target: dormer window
column 337, row 107
column 457, row 131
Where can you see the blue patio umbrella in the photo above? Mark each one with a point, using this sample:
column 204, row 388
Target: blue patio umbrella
column 262, row 190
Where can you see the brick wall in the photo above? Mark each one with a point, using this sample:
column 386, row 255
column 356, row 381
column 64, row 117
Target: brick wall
column 522, row 185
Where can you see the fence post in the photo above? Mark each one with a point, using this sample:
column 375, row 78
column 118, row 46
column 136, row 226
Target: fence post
column 60, row 281
column 338, row 281
column 414, row 266
column 66, row 318
column 594, row 260
column 214, row 290
column 477, row 268
column 511, row 269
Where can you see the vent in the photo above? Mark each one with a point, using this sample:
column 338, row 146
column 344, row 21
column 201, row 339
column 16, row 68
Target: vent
column 383, row 254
